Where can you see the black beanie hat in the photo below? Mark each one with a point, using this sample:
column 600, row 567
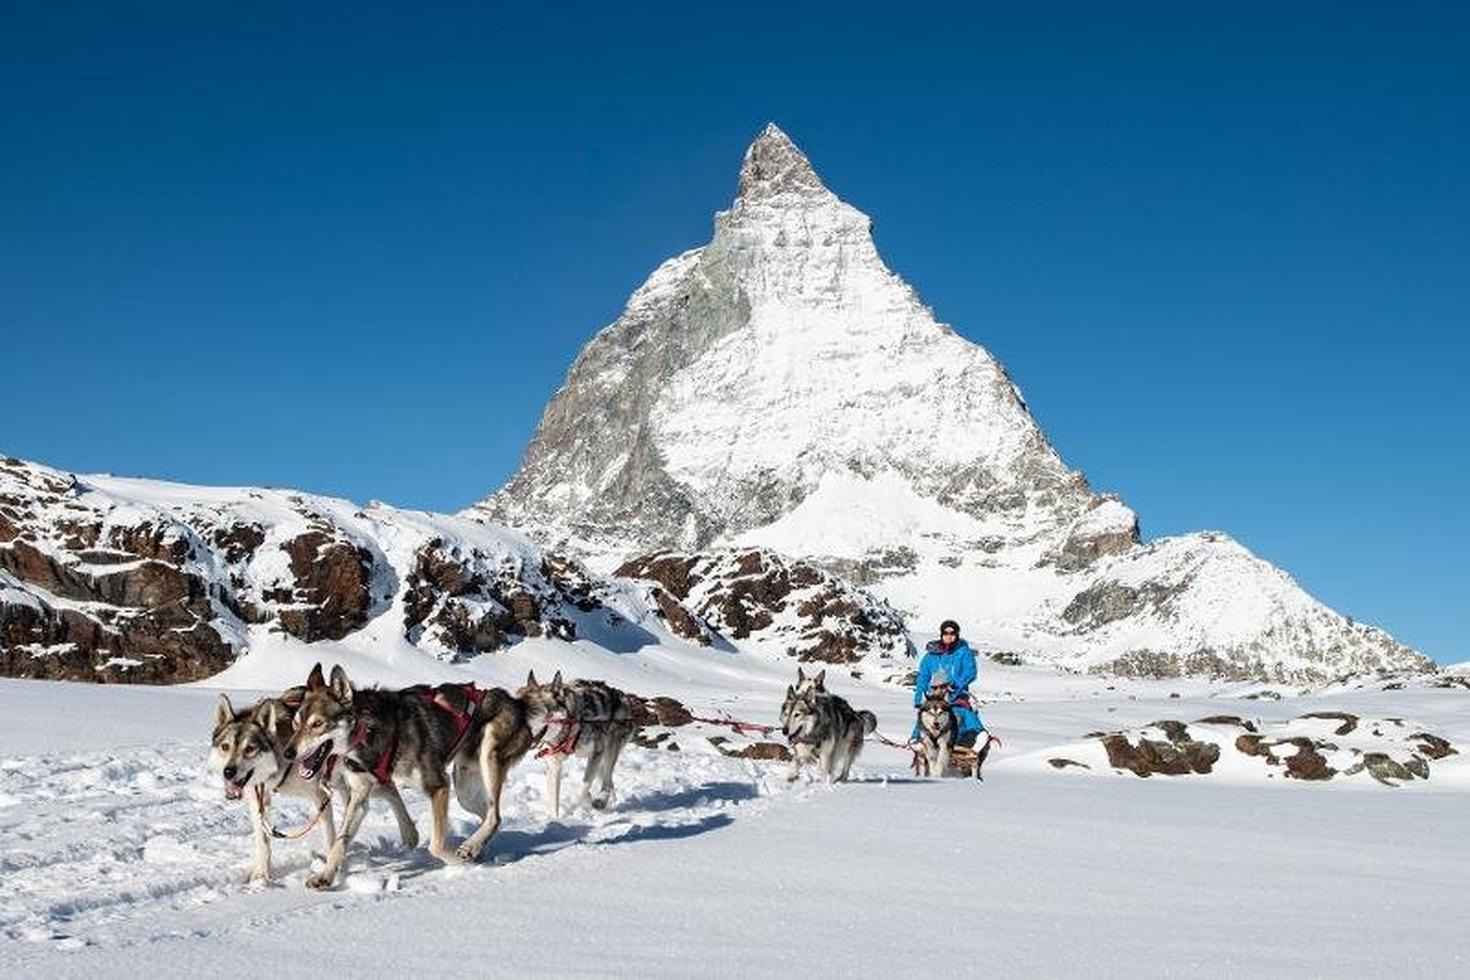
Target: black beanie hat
column 949, row 624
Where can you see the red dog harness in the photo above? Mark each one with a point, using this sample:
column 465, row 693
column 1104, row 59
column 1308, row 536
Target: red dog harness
column 462, row 719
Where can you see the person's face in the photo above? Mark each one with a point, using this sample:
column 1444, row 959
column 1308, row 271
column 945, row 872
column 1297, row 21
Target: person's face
column 947, row 634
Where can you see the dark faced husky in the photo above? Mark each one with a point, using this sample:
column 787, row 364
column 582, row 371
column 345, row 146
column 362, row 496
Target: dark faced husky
column 413, row 734
column 588, row 719
column 823, row 728
column 937, row 729
column 248, row 750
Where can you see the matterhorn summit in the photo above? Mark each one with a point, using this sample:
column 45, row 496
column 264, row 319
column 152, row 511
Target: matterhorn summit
column 781, row 388
column 745, row 373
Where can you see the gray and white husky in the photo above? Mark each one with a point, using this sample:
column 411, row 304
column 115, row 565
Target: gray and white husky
column 588, row 719
column 823, row 728
column 248, row 751
column 938, row 727
column 416, row 734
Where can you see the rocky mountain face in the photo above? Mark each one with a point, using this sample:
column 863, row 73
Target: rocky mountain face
column 745, row 371
column 134, row 580
column 814, row 615
column 120, row 580
column 780, row 388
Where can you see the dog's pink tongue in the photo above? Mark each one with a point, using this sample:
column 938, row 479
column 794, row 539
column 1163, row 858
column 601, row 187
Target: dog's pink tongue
column 232, row 792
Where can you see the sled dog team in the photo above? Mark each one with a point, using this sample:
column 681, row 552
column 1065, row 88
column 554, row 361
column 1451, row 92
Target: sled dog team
column 330, row 736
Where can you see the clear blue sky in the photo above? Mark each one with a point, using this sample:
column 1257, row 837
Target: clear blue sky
column 1225, row 252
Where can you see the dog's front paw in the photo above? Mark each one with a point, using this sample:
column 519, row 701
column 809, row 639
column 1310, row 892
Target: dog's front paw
column 466, row 852
column 410, row 838
column 258, row 876
column 319, row 881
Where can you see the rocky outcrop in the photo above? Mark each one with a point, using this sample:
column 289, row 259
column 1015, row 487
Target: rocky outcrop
column 1315, row 747
column 465, row 601
column 758, row 594
column 129, row 580
column 332, row 593
column 1175, row 755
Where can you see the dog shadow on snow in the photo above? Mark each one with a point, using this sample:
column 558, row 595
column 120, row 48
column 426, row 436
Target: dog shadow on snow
column 620, row 824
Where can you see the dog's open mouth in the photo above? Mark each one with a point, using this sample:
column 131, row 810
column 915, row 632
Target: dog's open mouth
column 235, row 788
column 312, row 764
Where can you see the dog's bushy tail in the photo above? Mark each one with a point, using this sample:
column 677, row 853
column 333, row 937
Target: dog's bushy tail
column 870, row 722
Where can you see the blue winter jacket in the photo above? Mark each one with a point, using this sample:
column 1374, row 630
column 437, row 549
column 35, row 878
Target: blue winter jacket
column 959, row 663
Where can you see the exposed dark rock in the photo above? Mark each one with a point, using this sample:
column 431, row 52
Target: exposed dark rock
column 238, row 541
column 1383, row 768
column 768, row 751
column 571, row 580
column 679, row 620
column 333, row 580
column 1107, row 601
column 658, row 740
column 1349, row 721
column 1434, row 747
column 674, row 572
column 1175, row 731
column 1084, row 547
column 1253, row 745
column 660, row 710
column 1060, row 763
column 1165, row 758
column 1228, row 720
column 1306, row 763
column 743, row 594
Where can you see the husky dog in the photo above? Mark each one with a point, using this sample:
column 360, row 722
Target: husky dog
column 823, row 728
column 248, row 750
column 500, row 738
column 414, row 733
column 938, row 727
column 584, row 718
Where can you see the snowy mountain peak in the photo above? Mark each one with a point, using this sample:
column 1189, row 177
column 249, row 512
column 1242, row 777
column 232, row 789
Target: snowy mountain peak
column 780, row 387
column 774, row 165
column 781, row 354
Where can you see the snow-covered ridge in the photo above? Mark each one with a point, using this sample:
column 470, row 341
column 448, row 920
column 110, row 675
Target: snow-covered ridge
column 107, row 578
column 781, row 388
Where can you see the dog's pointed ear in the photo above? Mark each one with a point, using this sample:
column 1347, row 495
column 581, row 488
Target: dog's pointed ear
column 556, row 680
column 820, row 679
column 790, row 692
column 314, row 680
column 265, row 715
column 800, row 675
column 531, row 679
column 224, row 712
column 341, row 687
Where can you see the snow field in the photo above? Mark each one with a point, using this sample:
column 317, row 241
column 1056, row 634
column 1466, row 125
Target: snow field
column 122, row 856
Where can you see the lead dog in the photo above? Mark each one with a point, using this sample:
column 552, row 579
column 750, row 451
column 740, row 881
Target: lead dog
column 415, row 733
column 248, row 750
column 588, row 719
column 823, row 728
